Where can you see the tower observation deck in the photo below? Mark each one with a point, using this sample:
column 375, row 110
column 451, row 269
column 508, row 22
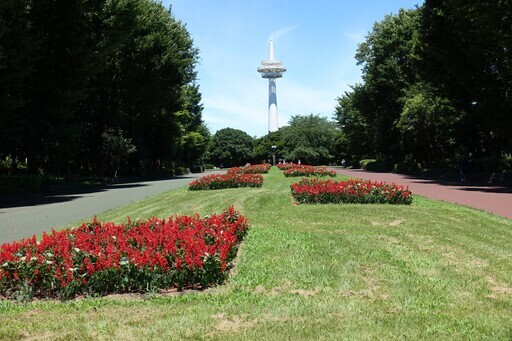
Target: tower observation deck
column 272, row 69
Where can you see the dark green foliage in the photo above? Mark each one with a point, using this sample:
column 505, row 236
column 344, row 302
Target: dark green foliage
column 428, row 124
column 355, row 140
column 436, row 87
column 19, row 184
column 18, row 55
column 116, row 148
column 71, row 70
column 470, row 53
column 310, row 139
column 375, row 165
column 407, row 166
column 263, row 151
column 365, row 162
column 231, row 147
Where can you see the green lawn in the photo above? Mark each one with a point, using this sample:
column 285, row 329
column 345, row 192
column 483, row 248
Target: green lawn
column 431, row 270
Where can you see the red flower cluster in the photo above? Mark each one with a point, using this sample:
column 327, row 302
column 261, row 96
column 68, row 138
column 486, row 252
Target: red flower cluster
column 305, row 170
column 283, row 166
column 98, row 258
column 228, row 180
column 314, row 191
column 262, row 168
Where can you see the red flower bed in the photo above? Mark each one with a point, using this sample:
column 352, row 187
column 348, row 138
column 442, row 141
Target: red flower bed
column 102, row 258
column 228, row 180
column 305, row 170
column 262, row 168
column 314, row 191
column 283, row 166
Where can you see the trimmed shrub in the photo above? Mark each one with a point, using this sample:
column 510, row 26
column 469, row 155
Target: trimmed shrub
column 373, row 165
column 407, row 167
column 364, row 163
column 19, row 184
column 181, row 170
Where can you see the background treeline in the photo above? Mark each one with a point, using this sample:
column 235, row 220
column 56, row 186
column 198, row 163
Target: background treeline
column 435, row 96
column 97, row 88
column 436, row 89
column 308, row 138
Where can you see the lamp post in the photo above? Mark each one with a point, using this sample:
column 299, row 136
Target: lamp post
column 274, row 147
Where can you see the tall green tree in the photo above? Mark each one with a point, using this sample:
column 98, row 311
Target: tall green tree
column 263, row 151
column 355, row 141
column 310, row 139
column 231, row 147
column 18, row 56
column 469, row 53
column 388, row 58
column 151, row 71
column 58, row 83
column 428, row 125
column 436, row 85
column 72, row 70
column 195, row 136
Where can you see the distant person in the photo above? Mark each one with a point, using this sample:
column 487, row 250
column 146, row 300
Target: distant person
column 463, row 164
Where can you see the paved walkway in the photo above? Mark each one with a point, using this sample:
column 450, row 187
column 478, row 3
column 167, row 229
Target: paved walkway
column 24, row 219
column 488, row 197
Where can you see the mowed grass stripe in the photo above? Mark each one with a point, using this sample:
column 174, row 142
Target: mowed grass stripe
column 426, row 271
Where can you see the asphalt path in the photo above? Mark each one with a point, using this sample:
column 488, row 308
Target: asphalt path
column 24, row 219
column 493, row 198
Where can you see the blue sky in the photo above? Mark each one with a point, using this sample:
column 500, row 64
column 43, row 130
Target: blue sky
column 315, row 40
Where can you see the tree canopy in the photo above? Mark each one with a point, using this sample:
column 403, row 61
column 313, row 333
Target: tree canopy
column 310, row 139
column 231, row 147
column 73, row 71
column 436, row 85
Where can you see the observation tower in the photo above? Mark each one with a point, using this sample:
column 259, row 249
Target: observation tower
column 272, row 69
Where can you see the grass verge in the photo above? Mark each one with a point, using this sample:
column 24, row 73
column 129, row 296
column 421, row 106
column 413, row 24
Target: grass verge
column 426, row 271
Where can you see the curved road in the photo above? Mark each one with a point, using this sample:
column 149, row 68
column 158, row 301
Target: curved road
column 488, row 197
column 35, row 216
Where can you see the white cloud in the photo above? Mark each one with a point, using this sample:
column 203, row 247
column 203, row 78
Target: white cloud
column 355, row 37
column 237, row 102
column 282, row 31
column 296, row 99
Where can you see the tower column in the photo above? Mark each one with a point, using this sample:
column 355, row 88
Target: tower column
column 272, row 105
